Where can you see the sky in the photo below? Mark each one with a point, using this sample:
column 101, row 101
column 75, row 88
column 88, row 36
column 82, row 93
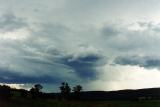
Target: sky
column 100, row 44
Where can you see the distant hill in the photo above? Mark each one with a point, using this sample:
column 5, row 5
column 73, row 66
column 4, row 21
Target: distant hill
column 139, row 94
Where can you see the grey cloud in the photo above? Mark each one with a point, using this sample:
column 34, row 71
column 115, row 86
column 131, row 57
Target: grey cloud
column 132, row 60
column 53, row 70
column 50, row 52
column 149, row 62
column 13, row 77
column 110, row 31
column 32, row 70
column 84, row 66
column 9, row 22
column 145, row 24
column 139, row 37
column 48, row 35
column 34, row 61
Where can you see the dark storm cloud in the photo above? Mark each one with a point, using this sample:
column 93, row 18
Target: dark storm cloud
column 40, row 40
column 133, row 60
column 13, row 77
column 9, row 22
column 84, row 66
column 147, row 62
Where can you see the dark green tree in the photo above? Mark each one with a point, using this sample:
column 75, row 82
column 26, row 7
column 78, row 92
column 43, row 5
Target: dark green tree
column 5, row 92
column 38, row 87
column 36, row 91
column 62, row 88
column 77, row 89
column 24, row 93
column 65, row 90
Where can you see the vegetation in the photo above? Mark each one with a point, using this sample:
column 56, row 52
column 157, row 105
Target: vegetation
column 35, row 91
column 75, row 98
column 5, row 92
column 77, row 89
column 65, row 90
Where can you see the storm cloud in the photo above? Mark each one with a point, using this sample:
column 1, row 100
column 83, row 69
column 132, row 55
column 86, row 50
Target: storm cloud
column 84, row 66
column 10, row 77
column 85, row 42
column 146, row 62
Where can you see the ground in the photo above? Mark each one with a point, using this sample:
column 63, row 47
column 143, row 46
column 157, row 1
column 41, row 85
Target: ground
column 55, row 103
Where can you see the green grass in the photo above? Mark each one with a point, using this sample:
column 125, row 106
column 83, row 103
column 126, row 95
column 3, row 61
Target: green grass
column 55, row 103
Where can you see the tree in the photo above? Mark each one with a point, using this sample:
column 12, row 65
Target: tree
column 62, row 88
column 36, row 90
column 33, row 92
column 5, row 92
column 77, row 89
column 65, row 90
column 24, row 93
column 38, row 87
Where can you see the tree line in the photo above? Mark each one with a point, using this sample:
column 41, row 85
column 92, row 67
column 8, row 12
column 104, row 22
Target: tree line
column 66, row 92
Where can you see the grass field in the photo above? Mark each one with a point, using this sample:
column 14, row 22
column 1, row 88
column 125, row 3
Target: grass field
column 54, row 103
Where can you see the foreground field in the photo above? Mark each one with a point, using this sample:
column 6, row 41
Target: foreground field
column 53, row 103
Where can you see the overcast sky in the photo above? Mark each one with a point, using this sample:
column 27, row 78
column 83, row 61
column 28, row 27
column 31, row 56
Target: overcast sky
column 100, row 44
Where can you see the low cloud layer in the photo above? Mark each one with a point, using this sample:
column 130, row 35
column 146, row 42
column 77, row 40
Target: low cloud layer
column 146, row 62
